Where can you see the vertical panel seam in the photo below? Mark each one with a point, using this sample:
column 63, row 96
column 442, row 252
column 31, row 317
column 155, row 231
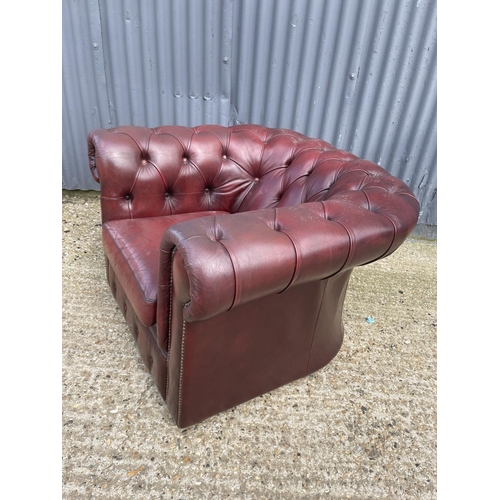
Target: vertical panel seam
column 112, row 122
column 316, row 327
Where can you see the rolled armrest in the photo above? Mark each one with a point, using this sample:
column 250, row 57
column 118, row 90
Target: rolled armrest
column 233, row 259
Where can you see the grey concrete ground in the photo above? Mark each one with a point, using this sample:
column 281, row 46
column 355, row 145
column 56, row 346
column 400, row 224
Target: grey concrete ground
column 363, row 427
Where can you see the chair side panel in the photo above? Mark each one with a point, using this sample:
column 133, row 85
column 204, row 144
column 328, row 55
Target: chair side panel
column 252, row 349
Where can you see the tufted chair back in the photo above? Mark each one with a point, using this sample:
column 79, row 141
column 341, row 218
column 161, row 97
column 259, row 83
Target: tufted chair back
column 174, row 170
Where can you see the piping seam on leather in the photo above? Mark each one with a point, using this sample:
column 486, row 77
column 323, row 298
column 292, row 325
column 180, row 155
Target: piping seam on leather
column 232, row 264
column 351, row 244
column 351, row 239
column 393, row 225
column 393, row 235
column 234, row 274
column 295, row 270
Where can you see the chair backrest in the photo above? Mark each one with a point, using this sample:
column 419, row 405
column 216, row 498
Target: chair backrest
column 168, row 170
column 146, row 172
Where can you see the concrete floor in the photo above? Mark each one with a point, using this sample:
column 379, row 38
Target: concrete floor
column 363, row 427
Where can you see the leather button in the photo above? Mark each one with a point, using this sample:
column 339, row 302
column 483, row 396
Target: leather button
column 167, row 195
column 256, row 179
column 207, row 190
column 143, row 162
column 224, row 157
column 127, row 197
column 184, row 160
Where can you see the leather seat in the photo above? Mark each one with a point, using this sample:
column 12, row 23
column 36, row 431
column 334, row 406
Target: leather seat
column 133, row 248
column 229, row 250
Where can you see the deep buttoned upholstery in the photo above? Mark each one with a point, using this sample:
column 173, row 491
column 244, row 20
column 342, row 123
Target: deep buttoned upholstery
column 229, row 251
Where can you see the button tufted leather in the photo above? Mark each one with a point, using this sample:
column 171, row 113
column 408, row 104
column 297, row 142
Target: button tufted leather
column 246, row 167
column 225, row 240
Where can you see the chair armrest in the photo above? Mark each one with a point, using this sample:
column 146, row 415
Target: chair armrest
column 233, row 259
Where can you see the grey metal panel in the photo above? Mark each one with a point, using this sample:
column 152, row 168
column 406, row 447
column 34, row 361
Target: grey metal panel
column 360, row 74
column 165, row 61
column 85, row 103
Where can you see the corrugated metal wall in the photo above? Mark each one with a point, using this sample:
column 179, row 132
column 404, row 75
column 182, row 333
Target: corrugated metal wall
column 360, row 74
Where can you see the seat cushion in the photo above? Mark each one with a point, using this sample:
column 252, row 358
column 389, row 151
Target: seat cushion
column 132, row 247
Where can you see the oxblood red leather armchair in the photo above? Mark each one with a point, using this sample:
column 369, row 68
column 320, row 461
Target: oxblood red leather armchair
column 229, row 250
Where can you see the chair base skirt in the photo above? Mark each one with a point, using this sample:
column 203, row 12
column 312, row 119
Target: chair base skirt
column 216, row 364
column 154, row 358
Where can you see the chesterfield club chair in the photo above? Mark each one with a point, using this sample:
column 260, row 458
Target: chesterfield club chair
column 229, row 250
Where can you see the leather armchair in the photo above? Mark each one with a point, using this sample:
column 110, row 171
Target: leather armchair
column 229, row 251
